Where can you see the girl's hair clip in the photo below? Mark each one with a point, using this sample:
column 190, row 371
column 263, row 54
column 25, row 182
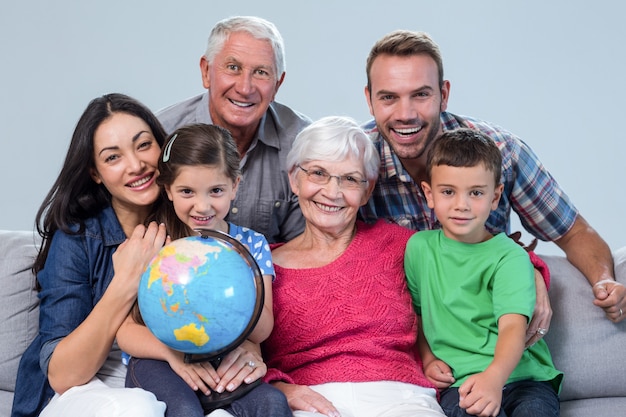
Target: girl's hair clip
column 168, row 148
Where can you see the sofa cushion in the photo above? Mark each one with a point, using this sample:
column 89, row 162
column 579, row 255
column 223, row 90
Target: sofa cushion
column 587, row 347
column 19, row 316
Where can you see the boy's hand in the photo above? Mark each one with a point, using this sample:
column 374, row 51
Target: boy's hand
column 439, row 373
column 480, row 395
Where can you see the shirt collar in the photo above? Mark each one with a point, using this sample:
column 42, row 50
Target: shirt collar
column 266, row 133
column 391, row 165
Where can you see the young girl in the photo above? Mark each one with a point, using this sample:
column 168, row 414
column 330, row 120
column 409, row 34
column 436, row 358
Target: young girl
column 199, row 176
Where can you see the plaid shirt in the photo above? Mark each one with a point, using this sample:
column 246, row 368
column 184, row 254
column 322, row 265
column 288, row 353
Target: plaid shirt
column 529, row 189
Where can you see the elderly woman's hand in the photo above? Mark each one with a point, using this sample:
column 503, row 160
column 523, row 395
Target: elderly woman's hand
column 242, row 365
column 301, row 397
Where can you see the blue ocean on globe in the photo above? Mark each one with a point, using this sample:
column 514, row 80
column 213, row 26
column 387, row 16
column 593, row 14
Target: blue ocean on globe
column 198, row 295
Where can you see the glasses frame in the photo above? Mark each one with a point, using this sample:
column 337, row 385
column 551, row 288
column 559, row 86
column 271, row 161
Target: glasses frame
column 340, row 179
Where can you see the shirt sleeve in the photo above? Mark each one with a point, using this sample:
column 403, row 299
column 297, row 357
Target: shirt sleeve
column 66, row 297
column 542, row 206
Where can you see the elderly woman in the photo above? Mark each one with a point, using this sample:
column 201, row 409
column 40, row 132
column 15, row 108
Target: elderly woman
column 345, row 332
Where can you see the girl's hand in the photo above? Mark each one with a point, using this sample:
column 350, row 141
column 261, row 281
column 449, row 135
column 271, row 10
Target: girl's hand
column 199, row 376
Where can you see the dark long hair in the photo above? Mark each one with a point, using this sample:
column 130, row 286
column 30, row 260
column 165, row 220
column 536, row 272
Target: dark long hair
column 75, row 196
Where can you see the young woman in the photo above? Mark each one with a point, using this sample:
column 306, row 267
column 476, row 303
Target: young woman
column 199, row 175
column 93, row 252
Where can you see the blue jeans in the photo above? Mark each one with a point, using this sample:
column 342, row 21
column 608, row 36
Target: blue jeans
column 519, row 399
column 159, row 378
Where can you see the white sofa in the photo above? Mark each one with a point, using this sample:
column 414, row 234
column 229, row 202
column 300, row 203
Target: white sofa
column 589, row 349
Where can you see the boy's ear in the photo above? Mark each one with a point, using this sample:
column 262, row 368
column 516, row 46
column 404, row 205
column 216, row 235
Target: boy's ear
column 497, row 193
column 428, row 193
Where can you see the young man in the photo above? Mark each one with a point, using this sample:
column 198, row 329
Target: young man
column 474, row 292
column 242, row 70
column 408, row 97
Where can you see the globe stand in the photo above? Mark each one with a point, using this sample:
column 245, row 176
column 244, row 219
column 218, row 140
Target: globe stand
column 215, row 399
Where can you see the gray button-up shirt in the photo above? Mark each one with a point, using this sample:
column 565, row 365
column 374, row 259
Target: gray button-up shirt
column 264, row 202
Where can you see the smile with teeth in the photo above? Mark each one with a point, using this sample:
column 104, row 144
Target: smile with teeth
column 240, row 103
column 329, row 209
column 407, row 131
column 202, row 219
column 140, row 182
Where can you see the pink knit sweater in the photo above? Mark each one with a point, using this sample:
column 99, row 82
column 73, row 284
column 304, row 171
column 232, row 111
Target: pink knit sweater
column 349, row 321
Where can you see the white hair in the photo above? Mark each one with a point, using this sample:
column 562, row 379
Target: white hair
column 334, row 138
column 258, row 27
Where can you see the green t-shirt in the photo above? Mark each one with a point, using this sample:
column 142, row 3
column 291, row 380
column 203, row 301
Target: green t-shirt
column 461, row 290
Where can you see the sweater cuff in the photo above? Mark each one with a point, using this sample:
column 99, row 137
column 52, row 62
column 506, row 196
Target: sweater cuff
column 275, row 375
column 540, row 266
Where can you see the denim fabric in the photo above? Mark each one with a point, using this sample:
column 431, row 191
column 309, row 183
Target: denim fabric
column 159, row 378
column 519, row 399
column 78, row 270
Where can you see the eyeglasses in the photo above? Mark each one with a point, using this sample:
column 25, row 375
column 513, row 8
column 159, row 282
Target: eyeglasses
column 321, row 177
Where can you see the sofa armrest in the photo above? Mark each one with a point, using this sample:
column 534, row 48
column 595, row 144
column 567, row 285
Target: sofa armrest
column 19, row 314
column 585, row 345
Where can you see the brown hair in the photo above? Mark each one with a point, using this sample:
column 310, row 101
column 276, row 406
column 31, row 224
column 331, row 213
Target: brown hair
column 192, row 145
column 405, row 43
column 465, row 148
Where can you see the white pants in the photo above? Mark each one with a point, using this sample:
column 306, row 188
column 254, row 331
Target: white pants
column 378, row 399
column 96, row 399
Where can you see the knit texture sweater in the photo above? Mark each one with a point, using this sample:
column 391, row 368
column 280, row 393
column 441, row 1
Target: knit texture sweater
column 349, row 321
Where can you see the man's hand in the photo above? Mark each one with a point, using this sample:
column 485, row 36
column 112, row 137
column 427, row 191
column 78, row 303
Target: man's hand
column 516, row 236
column 610, row 296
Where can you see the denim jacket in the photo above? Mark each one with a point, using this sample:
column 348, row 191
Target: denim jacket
column 78, row 269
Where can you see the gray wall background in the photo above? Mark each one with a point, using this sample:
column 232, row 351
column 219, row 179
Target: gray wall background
column 551, row 72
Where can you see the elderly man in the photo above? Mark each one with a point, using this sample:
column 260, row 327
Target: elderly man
column 408, row 97
column 242, row 70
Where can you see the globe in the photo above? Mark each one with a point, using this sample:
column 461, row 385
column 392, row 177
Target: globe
column 202, row 294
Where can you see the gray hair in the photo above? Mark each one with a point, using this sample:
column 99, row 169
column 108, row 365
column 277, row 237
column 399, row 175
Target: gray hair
column 257, row 27
column 334, row 138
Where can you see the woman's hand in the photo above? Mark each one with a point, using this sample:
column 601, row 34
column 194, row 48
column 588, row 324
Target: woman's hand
column 542, row 315
column 301, row 397
column 133, row 256
column 242, row 365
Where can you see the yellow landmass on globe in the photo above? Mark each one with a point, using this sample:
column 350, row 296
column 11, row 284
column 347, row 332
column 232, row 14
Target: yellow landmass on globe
column 191, row 333
column 155, row 273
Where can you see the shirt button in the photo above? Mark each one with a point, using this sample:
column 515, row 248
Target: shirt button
column 277, row 204
column 234, row 210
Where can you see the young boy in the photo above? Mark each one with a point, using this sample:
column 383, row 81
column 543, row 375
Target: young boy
column 474, row 292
